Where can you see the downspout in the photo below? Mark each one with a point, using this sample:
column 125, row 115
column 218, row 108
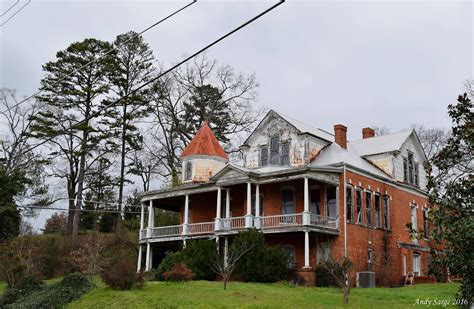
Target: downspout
column 345, row 210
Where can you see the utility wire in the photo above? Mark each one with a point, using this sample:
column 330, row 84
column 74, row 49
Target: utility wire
column 108, row 52
column 1, row 25
column 111, row 104
column 11, row 7
column 81, row 210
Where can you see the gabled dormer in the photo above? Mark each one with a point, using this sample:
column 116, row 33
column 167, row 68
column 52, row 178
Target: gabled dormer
column 203, row 157
column 282, row 141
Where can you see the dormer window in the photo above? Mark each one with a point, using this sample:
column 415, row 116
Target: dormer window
column 188, row 170
column 285, row 154
column 275, row 150
column 411, row 171
column 277, row 153
column 263, row 156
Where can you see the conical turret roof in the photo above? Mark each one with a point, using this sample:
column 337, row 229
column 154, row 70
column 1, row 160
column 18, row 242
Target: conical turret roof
column 204, row 143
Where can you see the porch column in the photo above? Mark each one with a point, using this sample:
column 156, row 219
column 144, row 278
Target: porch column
column 186, row 214
column 227, row 210
column 226, row 250
column 248, row 216
column 257, row 207
column 218, row 210
column 151, row 218
column 139, row 263
column 306, row 250
column 142, row 221
column 147, row 257
column 306, row 213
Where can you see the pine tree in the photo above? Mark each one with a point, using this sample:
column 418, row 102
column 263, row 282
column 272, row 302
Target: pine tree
column 130, row 67
column 72, row 95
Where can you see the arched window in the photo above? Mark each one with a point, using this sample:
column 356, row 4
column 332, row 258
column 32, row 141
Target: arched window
column 290, row 253
column 416, row 264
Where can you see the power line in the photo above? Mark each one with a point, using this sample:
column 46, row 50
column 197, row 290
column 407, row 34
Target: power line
column 108, row 52
column 81, row 210
column 11, row 7
column 15, row 13
column 111, row 104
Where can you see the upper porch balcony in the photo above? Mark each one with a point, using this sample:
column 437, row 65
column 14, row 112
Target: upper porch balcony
column 294, row 200
column 227, row 226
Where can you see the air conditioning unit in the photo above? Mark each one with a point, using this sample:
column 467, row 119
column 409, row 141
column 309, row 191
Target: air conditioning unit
column 365, row 279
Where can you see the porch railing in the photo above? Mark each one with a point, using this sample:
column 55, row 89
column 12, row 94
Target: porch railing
column 201, row 228
column 282, row 221
column 166, row 231
column 232, row 224
column 238, row 224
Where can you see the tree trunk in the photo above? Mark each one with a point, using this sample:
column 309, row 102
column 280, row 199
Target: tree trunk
column 225, row 282
column 80, row 178
column 345, row 289
column 122, row 164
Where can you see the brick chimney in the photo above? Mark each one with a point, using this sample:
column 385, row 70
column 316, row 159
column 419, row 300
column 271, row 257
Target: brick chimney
column 340, row 133
column 368, row 132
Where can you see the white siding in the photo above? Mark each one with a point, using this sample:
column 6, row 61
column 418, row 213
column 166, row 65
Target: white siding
column 302, row 146
column 410, row 145
column 384, row 162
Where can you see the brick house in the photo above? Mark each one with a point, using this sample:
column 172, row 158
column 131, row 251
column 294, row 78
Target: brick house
column 312, row 192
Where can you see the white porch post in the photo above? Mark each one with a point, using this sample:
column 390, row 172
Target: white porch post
column 306, row 213
column 151, row 218
column 186, row 214
column 248, row 216
column 147, row 257
column 142, row 221
column 257, row 206
column 306, row 250
column 139, row 263
column 227, row 209
column 218, row 210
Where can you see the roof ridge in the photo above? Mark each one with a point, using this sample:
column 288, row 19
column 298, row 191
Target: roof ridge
column 204, row 142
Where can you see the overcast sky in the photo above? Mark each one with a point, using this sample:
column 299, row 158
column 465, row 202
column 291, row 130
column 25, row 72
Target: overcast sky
column 323, row 62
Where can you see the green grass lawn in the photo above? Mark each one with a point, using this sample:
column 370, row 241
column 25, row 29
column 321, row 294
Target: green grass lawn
column 205, row 294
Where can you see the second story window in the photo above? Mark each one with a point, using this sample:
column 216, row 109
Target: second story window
column 386, row 214
column 350, row 204
column 378, row 217
column 264, row 156
column 426, row 227
column 288, row 201
column 331, row 202
column 188, row 171
column 275, row 150
column 359, row 206
column 368, row 207
column 285, row 153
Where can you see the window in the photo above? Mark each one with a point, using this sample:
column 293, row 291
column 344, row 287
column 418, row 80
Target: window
column 323, row 251
column 370, row 256
column 275, row 150
column 359, row 206
column 331, row 202
column 290, row 253
column 188, row 171
column 386, row 214
column 263, row 156
column 405, row 169
column 411, row 170
column 411, row 166
column 416, row 264
column 378, row 217
column 404, row 265
column 417, row 175
column 413, row 218
column 368, row 207
column 285, row 153
column 349, row 204
column 288, row 201
column 426, row 225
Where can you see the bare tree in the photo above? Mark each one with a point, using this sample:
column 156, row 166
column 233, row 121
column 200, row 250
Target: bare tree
column 89, row 257
column 381, row 130
column 177, row 111
column 432, row 139
column 224, row 264
column 339, row 270
column 15, row 122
